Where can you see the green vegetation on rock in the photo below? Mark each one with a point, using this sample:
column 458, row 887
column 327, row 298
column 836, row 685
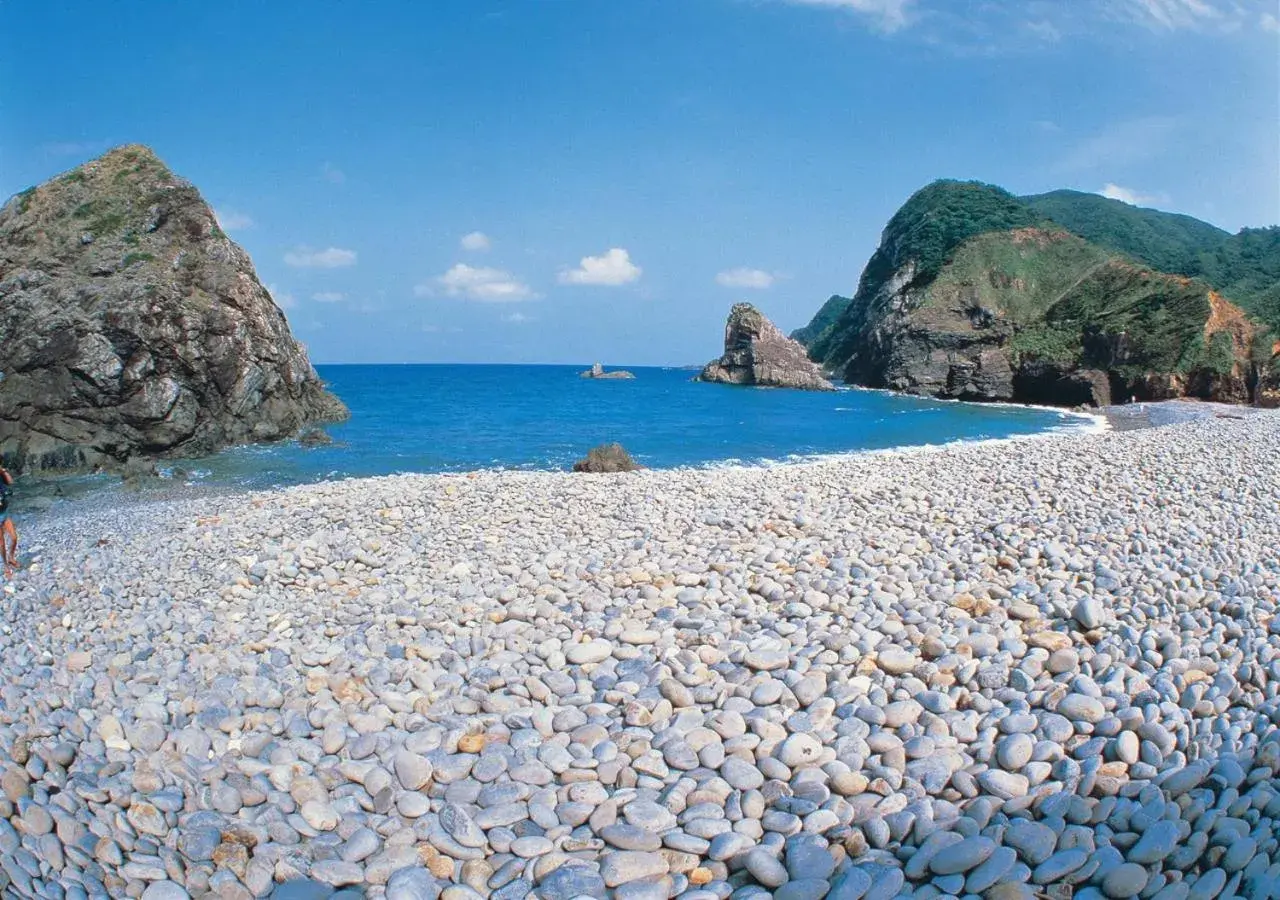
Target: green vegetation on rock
column 831, row 311
column 975, row 293
column 132, row 258
column 943, row 215
column 1245, row 267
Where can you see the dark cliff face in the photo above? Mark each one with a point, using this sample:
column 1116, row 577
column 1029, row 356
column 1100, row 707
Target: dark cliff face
column 757, row 353
column 131, row 326
column 965, row 300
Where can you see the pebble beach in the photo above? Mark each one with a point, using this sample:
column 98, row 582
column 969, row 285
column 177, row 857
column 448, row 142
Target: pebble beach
column 1039, row 668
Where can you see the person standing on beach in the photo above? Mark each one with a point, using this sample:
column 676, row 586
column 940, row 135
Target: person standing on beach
column 8, row 532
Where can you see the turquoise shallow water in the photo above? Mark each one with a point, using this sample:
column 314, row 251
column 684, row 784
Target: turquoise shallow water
column 440, row 418
column 459, row 418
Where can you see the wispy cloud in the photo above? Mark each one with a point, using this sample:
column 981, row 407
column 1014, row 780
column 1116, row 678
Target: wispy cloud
column 882, row 15
column 1171, row 15
column 332, row 174
column 328, row 297
column 230, row 220
column 475, row 241
column 517, row 318
column 757, row 279
column 329, row 258
column 1130, row 196
column 989, row 27
column 478, row 283
column 611, row 269
column 1120, row 144
column 283, row 298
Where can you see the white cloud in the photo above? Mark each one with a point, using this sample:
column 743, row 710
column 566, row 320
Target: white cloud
column 614, row 267
column 1270, row 23
column 991, row 27
column 517, row 318
column 1121, row 144
column 478, row 283
column 1174, row 14
column 476, row 240
column 885, row 15
column 332, row 174
column 330, row 258
column 1130, row 196
column 757, row 279
column 283, row 298
column 230, row 220
column 328, row 297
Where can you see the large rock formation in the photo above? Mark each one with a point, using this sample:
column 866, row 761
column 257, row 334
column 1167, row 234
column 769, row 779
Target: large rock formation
column 973, row 294
column 131, row 326
column 756, row 352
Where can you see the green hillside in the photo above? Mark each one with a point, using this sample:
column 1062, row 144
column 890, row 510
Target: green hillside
column 974, row 292
column 1244, row 267
column 1168, row 241
column 1053, row 290
column 940, row 217
column 825, row 317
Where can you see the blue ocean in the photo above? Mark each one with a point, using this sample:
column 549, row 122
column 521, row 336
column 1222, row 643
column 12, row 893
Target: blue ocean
column 458, row 418
column 447, row 418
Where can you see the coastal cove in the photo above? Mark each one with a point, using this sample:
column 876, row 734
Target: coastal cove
column 458, row 418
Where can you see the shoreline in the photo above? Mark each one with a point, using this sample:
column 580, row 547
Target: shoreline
column 110, row 491
column 157, row 493
column 676, row 682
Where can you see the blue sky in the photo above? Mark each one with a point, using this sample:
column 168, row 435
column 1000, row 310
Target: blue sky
column 572, row 180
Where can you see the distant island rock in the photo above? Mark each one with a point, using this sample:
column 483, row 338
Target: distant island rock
column 132, row 327
column 757, row 353
column 597, row 371
column 1064, row 299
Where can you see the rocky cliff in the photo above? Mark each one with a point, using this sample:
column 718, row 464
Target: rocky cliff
column 974, row 294
column 757, row 353
column 131, row 326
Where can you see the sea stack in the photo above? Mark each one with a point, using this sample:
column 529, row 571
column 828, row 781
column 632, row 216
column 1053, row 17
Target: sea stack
column 757, row 353
column 132, row 326
column 597, row 371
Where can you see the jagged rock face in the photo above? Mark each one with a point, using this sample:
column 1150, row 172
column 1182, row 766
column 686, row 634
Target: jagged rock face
column 757, row 353
column 131, row 326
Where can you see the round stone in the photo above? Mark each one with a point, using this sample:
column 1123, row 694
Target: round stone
column 1125, row 881
column 963, row 856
